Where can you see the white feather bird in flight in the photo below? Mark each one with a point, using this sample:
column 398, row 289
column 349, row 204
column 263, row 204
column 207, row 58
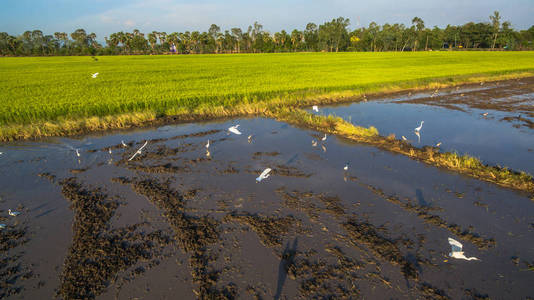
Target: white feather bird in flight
column 456, row 251
column 138, row 151
column 264, row 175
column 234, row 129
column 94, row 75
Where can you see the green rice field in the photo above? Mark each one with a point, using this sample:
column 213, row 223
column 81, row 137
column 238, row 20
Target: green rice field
column 40, row 90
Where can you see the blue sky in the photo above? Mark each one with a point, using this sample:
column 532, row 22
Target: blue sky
column 104, row 16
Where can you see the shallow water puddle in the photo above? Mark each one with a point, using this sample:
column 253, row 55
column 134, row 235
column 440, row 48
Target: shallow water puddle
column 457, row 120
column 175, row 221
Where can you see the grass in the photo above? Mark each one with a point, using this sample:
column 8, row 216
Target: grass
column 463, row 164
column 48, row 96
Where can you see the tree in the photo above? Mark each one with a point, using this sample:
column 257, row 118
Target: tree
column 311, row 37
column 419, row 26
column 496, row 24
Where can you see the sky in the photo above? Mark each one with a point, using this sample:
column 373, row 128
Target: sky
column 107, row 16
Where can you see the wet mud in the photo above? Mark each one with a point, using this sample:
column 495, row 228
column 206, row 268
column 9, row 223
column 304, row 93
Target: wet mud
column 180, row 220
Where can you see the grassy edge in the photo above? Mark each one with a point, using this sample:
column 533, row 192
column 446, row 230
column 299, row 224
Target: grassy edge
column 72, row 126
column 463, row 164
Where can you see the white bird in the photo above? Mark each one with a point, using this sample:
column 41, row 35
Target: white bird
column 77, row 153
column 417, row 129
column 94, row 75
column 1, row 153
column 404, row 138
column 456, row 251
column 314, row 143
column 323, row 138
column 109, row 150
column 265, row 174
column 208, row 144
column 124, row 144
column 315, row 108
column 13, row 213
column 250, row 138
column 234, row 129
column 2, row 226
column 346, row 166
column 438, row 144
column 485, row 114
column 138, row 151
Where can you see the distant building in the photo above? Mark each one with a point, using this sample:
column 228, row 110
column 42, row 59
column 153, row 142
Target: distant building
column 173, row 48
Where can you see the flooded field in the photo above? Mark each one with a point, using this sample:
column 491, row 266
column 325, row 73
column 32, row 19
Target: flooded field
column 183, row 219
column 493, row 121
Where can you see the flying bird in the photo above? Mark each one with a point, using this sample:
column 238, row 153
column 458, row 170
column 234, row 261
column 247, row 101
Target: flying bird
column 124, row 144
column 438, row 144
column 485, row 114
column 324, row 148
column 456, row 251
column 404, row 138
column 234, row 129
column 13, row 213
column 323, row 138
column 417, row 129
column 138, row 151
column 94, row 75
column 315, row 108
column 265, row 174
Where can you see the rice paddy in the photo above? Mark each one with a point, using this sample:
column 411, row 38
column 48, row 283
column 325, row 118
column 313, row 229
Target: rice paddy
column 56, row 95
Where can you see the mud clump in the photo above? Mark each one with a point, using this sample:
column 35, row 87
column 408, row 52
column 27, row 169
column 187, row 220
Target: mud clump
column 303, row 201
column 432, row 293
column 159, row 169
column 258, row 155
column 269, row 229
column 382, row 247
column 193, row 235
column 11, row 270
column 319, row 278
column 423, row 213
column 98, row 252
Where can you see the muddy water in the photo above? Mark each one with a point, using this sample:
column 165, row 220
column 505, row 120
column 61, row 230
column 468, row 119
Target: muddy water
column 174, row 221
column 457, row 119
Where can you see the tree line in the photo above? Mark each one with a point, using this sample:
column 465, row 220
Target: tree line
column 332, row 36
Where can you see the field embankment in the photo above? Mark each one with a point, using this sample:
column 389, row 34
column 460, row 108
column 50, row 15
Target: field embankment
column 57, row 96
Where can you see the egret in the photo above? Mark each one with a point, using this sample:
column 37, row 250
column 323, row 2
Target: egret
column 346, row 167
column 485, row 114
column 315, row 108
column 208, row 145
column 417, row 129
column 234, row 129
column 138, row 151
column 13, row 213
column 94, row 75
column 456, row 251
column 438, row 144
column 323, row 138
column 1, row 153
column 404, row 138
column 77, row 153
column 124, row 144
column 265, row 174
column 314, row 143
column 109, row 150
column 250, row 139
